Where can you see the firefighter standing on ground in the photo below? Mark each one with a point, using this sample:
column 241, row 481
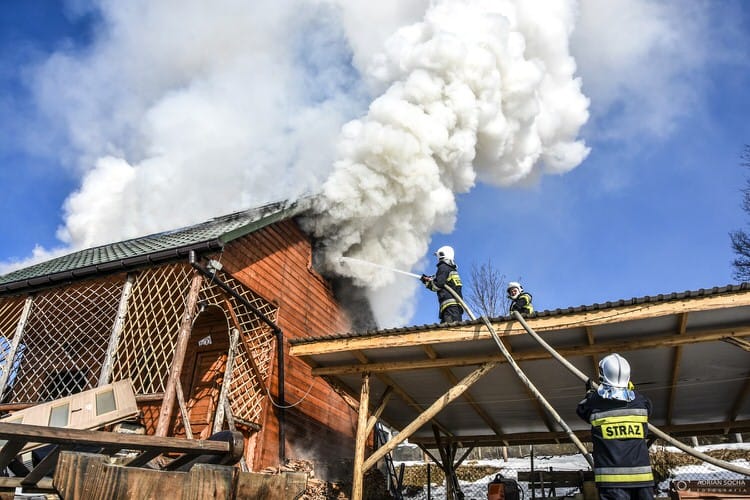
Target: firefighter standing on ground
column 520, row 300
column 446, row 275
column 619, row 426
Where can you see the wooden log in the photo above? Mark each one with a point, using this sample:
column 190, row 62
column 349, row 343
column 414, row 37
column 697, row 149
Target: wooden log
column 210, row 481
column 361, row 441
column 175, row 371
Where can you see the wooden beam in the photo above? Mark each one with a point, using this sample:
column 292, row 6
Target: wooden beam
column 183, row 338
column 226, row 383
column 591, row 341
column 379, row 408
column 584, row 434
column 475, row 330
column 740, row 399
column 361, row 441
column 388, row 381
column 676, row 359
column 427, row 415
column 11, row 355
column 448, row 374
column 660, row 340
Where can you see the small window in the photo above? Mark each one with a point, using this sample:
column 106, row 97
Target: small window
column 105, row 402
column 58, row 415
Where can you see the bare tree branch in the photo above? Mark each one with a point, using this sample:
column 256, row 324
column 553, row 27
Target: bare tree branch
column 485, row 292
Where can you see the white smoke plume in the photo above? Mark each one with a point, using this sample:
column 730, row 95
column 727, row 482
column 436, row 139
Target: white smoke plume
column 480, row 90
column 181, row 110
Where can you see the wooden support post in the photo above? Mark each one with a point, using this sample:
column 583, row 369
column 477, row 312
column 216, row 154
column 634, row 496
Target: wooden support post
column 430, row 412
column 361, row 442
column 11, row 355
column 183, row 410
column 117, row 326
column 226, row 383
column 183, row 338
column 245, row 345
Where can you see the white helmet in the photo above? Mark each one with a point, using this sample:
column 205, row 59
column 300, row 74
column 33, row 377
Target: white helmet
column 516, row 288
column 445, row 254
column 614, row 370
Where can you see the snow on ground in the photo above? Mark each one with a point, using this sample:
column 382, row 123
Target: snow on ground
column 509, row 469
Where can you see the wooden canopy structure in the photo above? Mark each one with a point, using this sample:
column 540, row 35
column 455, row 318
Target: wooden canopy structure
column 449, row 385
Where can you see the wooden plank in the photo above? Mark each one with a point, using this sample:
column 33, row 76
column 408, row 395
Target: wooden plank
column 70, row 473
column 664, row 340
column 183, row 337
column 225, row 383
column 210, row 481
column 430, row 412
column 476, row 331
column 286, row 486
column 59, row 435
column 117, row 482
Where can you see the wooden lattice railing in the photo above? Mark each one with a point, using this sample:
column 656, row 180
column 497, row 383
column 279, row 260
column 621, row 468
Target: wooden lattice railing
column 63, row 344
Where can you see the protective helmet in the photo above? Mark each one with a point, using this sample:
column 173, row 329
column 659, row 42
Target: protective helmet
column 516, row 287
column 445, row 254
column 614, row 370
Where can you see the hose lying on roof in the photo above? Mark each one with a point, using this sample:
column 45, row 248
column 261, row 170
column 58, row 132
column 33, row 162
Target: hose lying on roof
column 666, row 437
column 525, row 379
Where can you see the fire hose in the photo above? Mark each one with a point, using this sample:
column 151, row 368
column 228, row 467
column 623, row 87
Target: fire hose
column 660, row 434
column 521, row 375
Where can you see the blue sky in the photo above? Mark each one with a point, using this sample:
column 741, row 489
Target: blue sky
column 647, row 212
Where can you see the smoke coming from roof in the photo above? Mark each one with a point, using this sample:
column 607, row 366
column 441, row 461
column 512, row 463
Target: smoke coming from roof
column 477, row 91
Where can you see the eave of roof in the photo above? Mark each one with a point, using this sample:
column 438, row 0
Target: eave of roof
column 168, row 246
column 648, row 299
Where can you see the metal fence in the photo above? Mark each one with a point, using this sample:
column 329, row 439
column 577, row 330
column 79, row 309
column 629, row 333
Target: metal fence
column 672, row 467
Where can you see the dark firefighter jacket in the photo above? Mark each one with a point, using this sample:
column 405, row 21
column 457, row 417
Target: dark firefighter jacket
column 619, row 430
column 522, row 304
column 446, row 274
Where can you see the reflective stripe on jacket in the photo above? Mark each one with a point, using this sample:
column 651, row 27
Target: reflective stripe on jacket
column 446, row 275
column 619, row 430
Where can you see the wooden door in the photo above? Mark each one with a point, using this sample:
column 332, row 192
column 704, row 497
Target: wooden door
column 203, row 398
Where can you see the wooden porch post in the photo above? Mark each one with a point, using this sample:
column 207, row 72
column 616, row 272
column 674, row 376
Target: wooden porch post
column 359, row 449
column 114, row 337
column 186, row 328
column 11, row 354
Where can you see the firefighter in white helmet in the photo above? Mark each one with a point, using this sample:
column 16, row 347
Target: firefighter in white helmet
column 519, row 299
column 619, row 427
column 446, row 275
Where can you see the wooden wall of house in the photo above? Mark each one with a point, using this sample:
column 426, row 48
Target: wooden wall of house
column 275, row 262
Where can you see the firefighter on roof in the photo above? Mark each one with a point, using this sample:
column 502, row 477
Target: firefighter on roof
column 619, row 426
column 446, row 276
column 519, row 300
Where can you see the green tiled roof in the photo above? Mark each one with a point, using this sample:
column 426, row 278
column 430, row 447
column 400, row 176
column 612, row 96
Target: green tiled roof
column 209, row 235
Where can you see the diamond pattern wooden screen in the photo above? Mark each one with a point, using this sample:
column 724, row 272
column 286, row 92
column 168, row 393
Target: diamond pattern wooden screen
column 65, row 339
column 245, row 395
column 155, row 308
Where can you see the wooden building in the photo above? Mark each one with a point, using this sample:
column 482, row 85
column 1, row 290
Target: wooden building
column 192, row 317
